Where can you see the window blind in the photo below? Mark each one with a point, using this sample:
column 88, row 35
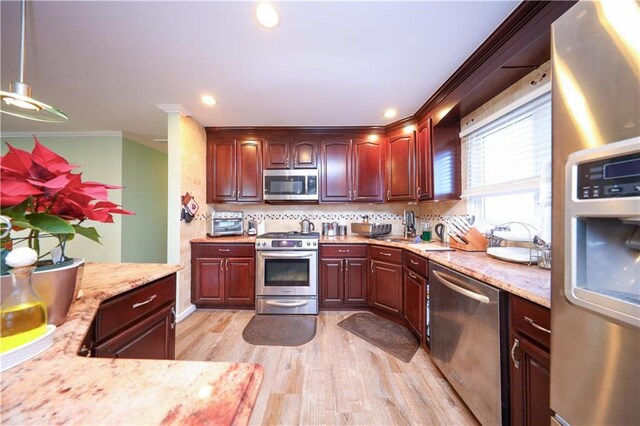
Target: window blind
column 507, row 154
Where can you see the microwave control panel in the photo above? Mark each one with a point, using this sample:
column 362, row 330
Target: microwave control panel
column 609, row 178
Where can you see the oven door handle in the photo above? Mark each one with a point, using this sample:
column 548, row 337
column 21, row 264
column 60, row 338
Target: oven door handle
column 283, row 304
column 276, row 255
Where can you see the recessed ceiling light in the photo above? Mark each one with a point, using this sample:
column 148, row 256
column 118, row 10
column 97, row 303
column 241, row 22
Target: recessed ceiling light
column 390, row 113
column 267, row 15
column 206, row 99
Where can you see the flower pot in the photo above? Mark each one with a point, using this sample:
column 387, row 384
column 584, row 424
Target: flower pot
column 58, row 286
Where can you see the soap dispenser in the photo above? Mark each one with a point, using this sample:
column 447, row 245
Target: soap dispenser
column 23, row 314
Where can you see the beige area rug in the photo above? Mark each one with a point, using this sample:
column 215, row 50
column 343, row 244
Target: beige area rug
column 392, row 338
column 280, row 330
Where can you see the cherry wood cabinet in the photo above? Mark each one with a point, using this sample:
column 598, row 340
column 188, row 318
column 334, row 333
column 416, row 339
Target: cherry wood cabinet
column 424, row 162
column 287, row 154
column 343, row 276
column 385, row 280
column 335, row 173
column 414, row 298
column 139, row 323
column 222, row 275
column 401, row 151
column 445, row 143
column 529, row 362
column 234, row 171
column 368, row 170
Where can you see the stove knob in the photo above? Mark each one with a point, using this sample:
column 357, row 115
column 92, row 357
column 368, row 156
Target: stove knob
column 315, row 244
column 308, row 243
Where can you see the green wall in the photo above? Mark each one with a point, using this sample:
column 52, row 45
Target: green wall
column 144, row 176
column 100, row 160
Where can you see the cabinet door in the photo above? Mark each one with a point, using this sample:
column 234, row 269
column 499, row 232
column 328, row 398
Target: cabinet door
column 331, row 282
column 209, row 279
column 221, row 171
column 276, row 154
column 446, row 160
column 336, row 170
column 424, row 162
column 368, row 171
column 305, row 155
column 530, row 383
column 249, row 170
column 355, row 282
column 412, row 306
column 386, row 287
column 240, row 281
column 152, row 338
column 400, row 168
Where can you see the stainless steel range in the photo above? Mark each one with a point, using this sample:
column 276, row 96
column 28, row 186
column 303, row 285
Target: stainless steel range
column 287, row 273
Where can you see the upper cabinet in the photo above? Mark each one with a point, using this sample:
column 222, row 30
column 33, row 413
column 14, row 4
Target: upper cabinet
column 352, row 170
column 424, row 162
column 401, row 155
column 234, row 170
column 286, row 154
column 445, row 145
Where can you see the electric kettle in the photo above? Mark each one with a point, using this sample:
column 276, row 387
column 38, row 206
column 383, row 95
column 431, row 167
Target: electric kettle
column 306, row 226
column 442, row 231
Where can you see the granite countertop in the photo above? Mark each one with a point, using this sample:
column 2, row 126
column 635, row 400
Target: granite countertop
column 529, row 282
column 59, row 386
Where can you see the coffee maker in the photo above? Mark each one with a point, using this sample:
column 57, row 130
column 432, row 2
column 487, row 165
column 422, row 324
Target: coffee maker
column 252, row 227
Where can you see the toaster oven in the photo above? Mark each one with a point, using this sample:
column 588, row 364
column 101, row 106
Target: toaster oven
column 226, row 223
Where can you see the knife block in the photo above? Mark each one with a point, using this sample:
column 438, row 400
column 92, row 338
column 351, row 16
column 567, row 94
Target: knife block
column 477, row 241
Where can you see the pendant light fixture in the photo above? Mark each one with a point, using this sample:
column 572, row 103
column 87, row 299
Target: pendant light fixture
column 18, row 101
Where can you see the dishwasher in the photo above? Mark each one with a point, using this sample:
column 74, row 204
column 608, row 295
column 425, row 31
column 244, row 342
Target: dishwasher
column 468, row 341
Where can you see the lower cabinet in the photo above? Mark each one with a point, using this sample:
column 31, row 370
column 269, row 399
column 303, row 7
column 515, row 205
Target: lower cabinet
column 385, row 280
column 223, row 275
column 529, row 363
column 137, row 324
column 343, row 280
column 413, row 301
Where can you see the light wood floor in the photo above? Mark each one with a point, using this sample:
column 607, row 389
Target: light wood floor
column 337, row 378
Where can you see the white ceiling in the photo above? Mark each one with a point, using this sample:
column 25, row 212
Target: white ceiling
column 108, row 64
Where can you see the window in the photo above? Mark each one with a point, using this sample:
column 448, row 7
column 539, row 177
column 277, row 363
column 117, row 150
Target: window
column 503, row 158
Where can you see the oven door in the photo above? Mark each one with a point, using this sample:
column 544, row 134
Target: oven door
column 287, row 273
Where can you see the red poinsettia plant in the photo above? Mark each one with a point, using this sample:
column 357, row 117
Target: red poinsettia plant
column 39, row 192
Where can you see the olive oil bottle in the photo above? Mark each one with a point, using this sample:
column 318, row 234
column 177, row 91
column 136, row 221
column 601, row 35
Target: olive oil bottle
column 23, row 314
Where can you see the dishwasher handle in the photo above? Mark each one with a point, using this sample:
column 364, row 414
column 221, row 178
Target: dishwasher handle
column 447, row 282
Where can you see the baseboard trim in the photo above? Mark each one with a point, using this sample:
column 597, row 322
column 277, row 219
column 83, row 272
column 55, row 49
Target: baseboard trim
column 182, row 315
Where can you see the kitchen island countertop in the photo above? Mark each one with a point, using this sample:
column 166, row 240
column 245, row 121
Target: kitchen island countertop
column 529, row 282
column 59, row 386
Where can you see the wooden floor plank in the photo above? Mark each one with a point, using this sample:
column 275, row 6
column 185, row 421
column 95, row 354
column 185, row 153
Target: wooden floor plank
column 337, row 378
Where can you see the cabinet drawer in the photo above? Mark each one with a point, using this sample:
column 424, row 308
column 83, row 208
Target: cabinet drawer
column 531, row 319
column 118, row 313
column 224, row 250
column 416, row 263
column 386, row 254
column 343, row 250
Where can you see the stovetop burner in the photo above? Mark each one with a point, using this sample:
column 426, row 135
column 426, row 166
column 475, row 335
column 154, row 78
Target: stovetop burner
column 290, row 234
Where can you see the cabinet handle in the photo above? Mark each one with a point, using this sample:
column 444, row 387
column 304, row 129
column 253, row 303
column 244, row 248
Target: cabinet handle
column 341, row 265
column 234, row 194
column 536, row 326
column 372, row 267
column 412, row 276
column 388, row 194
column 344, row 251
column 350, row 196
column 346, row 266
column 149, row 300
column 224, row 249
column 174, row 318
column 227, row 264
column 516, row 344
column 418, row 192
column 385, row 254
column 413, row 262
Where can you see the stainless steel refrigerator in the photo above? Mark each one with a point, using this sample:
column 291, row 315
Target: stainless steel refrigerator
column 595, row 300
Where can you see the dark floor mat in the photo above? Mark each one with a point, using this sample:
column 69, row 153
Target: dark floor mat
column 392, row 338
column 280, row 330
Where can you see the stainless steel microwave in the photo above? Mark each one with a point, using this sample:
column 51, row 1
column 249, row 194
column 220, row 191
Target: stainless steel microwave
column 288, row 185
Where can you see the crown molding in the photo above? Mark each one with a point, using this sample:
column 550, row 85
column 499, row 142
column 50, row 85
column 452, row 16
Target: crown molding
column 174, row 108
